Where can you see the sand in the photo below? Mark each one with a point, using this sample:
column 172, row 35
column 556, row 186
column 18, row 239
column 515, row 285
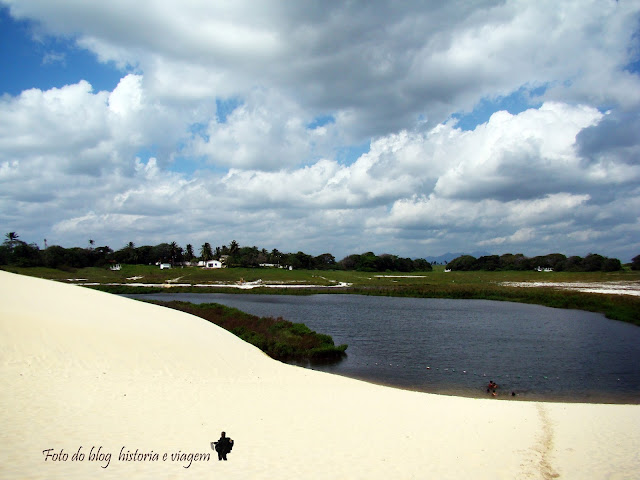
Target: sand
column 608, row 288
column 82, row 369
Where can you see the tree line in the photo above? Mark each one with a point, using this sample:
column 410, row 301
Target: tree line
column 555, row 261
column 14, row 251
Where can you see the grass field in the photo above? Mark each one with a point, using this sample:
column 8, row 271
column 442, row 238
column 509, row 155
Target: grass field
column 195, row 275
column 440, row 284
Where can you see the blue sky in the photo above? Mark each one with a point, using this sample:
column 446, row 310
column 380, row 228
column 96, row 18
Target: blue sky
column 31, row 59
column 484, row 127
column 514, row 103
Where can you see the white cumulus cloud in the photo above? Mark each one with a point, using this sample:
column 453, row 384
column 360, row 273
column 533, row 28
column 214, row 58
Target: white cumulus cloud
column 231, row 120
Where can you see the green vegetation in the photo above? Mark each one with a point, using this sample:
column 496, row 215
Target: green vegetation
column 278, row 338
column 370, row 262
column 554, row 261
column 15, row 252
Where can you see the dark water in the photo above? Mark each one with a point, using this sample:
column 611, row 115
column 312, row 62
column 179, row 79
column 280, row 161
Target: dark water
column 457, row 346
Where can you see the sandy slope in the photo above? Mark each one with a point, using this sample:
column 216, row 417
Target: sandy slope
column 81, row 368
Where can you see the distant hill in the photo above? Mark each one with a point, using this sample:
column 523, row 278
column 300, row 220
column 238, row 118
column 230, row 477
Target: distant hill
column 447, row 257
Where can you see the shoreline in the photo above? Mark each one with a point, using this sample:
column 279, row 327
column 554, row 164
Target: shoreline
column 504, row 396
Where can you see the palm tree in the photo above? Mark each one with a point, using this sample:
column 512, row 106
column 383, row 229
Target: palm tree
column 131, row 252
column 189, row 252
column 205, row 251
column 12, row 239
column 91, row 244
column 174, row 250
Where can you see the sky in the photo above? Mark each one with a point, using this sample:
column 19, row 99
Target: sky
column 410, row 128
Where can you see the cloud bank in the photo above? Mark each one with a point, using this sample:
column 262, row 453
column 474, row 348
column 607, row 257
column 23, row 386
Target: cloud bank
column 334, row 128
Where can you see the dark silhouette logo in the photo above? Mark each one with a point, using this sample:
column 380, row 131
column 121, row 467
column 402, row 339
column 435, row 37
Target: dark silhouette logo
column 223, row 446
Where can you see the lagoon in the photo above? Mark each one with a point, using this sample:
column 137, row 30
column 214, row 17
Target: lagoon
column 455, row 347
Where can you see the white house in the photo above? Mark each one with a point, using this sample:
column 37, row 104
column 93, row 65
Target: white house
column 540, row 269
column 165, row 265
column 211, row 264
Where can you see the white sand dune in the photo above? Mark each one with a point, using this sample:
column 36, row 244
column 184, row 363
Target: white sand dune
column 81, row 368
